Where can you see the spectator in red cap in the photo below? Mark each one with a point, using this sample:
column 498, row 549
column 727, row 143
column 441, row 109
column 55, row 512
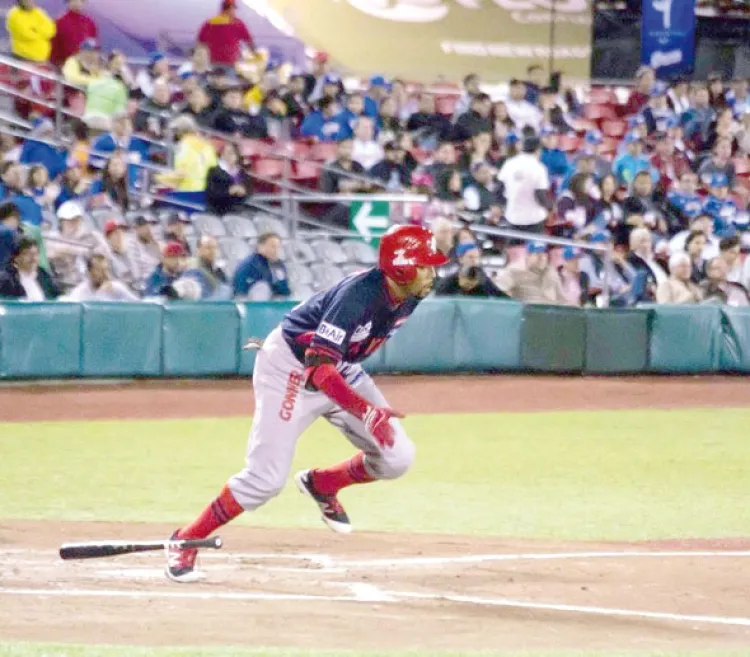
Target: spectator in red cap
column 162, row 279
column 73, row 28
column 226, row 35
column 121, row 263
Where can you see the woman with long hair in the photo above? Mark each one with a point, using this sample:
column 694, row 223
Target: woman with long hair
column 112, row 189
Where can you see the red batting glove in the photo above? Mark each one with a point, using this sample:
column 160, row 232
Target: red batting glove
column 377, row 422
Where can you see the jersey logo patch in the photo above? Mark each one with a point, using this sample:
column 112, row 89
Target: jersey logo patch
column 331, row 333
column 361, row 332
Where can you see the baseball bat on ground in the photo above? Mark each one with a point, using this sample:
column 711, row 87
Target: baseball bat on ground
column 99, row 549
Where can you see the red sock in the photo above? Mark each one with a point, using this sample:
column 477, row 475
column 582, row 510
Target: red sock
column 223, row 509
column 330, row 481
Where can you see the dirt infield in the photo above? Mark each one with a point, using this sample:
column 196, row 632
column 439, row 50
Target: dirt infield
column 314, row 589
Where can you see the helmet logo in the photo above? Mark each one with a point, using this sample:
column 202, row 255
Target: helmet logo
column 400, row 259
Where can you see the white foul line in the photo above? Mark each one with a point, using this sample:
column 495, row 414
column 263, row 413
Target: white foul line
column 409, row 562
column 374, row 594
column 601, row 611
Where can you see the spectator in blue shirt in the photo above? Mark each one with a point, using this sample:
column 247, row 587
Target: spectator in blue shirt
column 738, row 97
column 684, row 201
column 38, row 152
column 379, row 89
column 628, row 165
column 120, row 139
column 262, row 276
column 162, row 279
column 355, row 108
column 553, row 158
column 74, row 185
column 657, row 114
column 10, row 221
column 697, row 121
column 728, row 218
column 12, row 189
column 327, row 123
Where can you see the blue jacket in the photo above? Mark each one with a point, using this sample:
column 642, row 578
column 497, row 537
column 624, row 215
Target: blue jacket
column 31, row 211
column 53, row 159
column 66, row 195
column 626, row 167
column 727, row 216
column 334, row 129
column 136, row 148
column 689, row 205
column 256, row 268
column 159, row 280
column 556, row 162
column 371, row 107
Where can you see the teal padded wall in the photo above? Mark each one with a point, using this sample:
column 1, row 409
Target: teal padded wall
column 424, row 343
column 685, row 339
column 201, row 339
column 735, row 347
column 553, row 339
column 488, row 334
column 257, row 320
column 616, row 341
column 121, row 339
column 40, row 340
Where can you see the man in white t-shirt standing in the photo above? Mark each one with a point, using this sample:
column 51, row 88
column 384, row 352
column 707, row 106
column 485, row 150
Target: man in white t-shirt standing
column 526, row 188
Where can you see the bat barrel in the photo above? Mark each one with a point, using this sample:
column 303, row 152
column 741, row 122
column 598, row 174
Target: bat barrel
column 101, row 549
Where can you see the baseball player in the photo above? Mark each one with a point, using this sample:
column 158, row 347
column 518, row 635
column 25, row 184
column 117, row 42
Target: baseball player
column 308, row 367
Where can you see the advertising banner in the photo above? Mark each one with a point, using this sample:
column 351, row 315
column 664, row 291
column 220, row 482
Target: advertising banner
column 668, row 36
column 429, row 39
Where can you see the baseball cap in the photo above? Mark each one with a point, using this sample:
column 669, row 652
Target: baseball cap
column 173, row 250
column 228, row 4
column 177, row 217
column 571, row 253
column 69, row 210
column 331, row 78
column 112, row 225
column 187, row 74
column 536, row 247
column 90, row 44
column 156, row 57
column 717, row 179
column 511, row 137
column 593, row 137
column 379, row 81
column 659, row 88
column 463, row 249
column 546, row 131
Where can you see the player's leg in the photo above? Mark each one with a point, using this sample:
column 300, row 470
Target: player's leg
column 283, row 410
column 371, row 463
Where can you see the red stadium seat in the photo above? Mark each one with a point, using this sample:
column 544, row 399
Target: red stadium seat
column 615, row 129
column 301, row 149
column 322, row 151
column 446, row 105
column 268, row 168
column 599, row 112
column 306, row 174
column 254, row 148
column 602, row 96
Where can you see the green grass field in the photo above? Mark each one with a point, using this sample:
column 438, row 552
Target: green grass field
column 609, row 475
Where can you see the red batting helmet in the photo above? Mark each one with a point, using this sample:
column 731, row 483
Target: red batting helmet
column 404, row 248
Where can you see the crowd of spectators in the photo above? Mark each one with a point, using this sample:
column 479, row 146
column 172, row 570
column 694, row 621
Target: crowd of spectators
column 657, row 182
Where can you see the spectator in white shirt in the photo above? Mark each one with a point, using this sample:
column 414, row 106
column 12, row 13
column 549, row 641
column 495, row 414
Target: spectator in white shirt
column 144, row 250
column 98, row 284
column 120, row 258
column 520, row 110
column 526, row 186
column 365, row 148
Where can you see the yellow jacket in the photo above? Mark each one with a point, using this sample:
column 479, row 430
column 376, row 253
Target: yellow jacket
column 194, row 157
column 30, row 33
column 74, row 73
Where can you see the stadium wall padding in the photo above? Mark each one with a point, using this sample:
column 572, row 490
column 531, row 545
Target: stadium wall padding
column 55, row 340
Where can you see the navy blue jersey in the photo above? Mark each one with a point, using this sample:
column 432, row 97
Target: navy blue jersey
column 347, row 321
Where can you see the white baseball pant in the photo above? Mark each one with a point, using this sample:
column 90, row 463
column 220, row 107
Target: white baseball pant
column 284, row 409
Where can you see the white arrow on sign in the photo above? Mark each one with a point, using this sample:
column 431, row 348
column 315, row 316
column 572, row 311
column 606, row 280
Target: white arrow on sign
column 364, row 221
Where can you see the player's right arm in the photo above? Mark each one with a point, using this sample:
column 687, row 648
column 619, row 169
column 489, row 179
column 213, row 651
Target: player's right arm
column 326, row 352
